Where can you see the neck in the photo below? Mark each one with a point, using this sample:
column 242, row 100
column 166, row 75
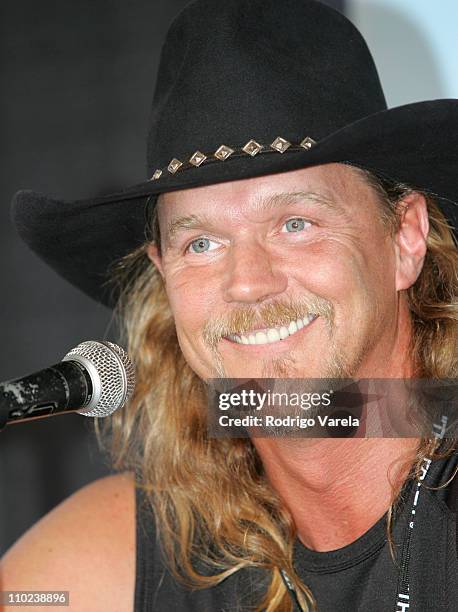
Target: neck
column 336, row 489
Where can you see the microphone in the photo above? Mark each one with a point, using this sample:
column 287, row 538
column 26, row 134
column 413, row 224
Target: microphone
column 93, row 379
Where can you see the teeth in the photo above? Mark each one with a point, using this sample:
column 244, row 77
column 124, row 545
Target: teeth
column 273, row 334
column 261, row 338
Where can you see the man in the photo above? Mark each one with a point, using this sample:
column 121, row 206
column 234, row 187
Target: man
column 292, row 235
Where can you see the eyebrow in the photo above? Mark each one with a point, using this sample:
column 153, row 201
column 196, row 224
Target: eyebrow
column 191, row 222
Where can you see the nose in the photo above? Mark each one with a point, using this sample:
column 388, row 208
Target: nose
column 252, row 274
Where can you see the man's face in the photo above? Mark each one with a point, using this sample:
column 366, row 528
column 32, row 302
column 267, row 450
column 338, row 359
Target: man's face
column 287, row 275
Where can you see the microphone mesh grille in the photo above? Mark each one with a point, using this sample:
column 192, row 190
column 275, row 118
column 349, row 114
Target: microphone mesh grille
column 115, row 371
column 127, row 365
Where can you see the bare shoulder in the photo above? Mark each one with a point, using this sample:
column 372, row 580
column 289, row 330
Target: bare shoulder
column 86, row 545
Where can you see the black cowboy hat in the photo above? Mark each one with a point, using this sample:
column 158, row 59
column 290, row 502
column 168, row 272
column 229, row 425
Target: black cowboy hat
column 247, row 88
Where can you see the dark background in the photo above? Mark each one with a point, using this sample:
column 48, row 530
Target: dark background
column 77, row 82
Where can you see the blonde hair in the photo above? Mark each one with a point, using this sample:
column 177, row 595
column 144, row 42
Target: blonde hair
column 210, row 497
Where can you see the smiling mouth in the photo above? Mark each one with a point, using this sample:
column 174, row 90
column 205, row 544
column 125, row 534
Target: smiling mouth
column 269, row 335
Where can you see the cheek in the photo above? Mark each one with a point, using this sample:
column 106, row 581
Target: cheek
column 345, row 272
column 327, row 268
column 192, row 299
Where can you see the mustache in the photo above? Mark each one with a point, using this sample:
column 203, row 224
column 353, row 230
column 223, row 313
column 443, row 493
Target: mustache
column 273, row 314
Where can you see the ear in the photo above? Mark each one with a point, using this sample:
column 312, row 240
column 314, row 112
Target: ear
column 154, row 255
column 410, row 240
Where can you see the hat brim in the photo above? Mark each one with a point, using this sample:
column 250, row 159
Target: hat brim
column 416, row 144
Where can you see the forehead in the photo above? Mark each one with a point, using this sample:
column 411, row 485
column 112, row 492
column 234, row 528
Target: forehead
column 338, row 184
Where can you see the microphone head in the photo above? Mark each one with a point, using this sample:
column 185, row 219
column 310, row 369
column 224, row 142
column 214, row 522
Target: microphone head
column 112, row 374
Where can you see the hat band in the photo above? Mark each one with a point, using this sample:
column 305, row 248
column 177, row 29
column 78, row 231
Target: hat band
column 223, row 152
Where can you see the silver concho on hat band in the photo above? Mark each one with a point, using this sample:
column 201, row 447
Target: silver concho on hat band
column 252, row 148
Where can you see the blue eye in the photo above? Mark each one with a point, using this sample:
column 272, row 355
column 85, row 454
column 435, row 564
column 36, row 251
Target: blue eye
column 296, row 225
column 201, row 245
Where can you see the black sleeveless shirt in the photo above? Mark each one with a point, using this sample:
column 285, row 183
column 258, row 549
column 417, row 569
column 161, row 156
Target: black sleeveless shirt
column 360, row 576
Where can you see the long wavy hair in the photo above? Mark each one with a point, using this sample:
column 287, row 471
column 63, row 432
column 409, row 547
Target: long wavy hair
column 210, row 497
